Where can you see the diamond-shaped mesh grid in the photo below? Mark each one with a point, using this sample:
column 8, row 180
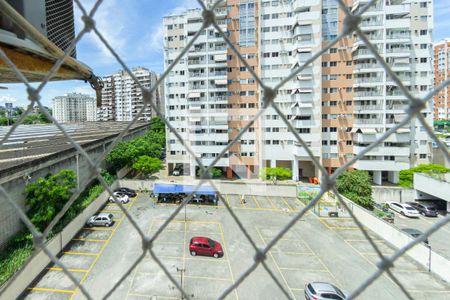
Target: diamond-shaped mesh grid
column 351, row 22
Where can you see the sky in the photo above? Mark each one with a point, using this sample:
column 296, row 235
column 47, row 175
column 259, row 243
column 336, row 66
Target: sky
column 135, row 31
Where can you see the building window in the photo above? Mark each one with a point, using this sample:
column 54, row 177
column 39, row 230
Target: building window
column 422, row 156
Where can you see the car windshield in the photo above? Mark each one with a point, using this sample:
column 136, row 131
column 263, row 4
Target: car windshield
column 211, row 243
column 339, row 292
column 410, row 208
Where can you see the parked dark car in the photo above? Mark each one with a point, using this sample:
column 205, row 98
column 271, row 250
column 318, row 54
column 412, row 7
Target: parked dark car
column 127, row 191
column 428, row 210
column 414, row 233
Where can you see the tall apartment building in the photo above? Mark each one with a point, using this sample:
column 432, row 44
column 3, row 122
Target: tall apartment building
column 338, row 104
column 74, row 107
column 441, row 73
column 122, row 97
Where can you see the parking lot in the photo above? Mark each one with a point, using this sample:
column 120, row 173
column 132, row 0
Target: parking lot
column 439, row 241
column 325, row 249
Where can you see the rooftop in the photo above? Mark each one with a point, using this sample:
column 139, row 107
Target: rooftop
column 30, row 142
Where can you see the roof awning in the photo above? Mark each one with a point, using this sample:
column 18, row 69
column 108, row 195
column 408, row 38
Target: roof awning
column 305, row 105
column 295, row 105
column 185, row 189
column 355, row 47
column 294, row 91
column 305, row 90
column 194, row 95
column 220, row 81
column 403, row 130
column 295, row 65
column 354, row 130
column 220, row 57
column 164, row 188
column 368, row 130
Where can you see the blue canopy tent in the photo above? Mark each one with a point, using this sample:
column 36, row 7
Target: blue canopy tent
column 172, row 192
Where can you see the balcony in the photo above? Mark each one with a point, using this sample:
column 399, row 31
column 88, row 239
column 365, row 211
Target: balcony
column 367, row 121
column 399, row 37
column 383, row 151
column 366, row 94
column 381, row 165
column 299, row 151
column 367, row 107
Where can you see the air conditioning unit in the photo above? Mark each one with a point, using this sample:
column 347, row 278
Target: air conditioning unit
column 53, row 18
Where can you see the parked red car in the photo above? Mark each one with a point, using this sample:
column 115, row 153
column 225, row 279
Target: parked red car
column 205, row 246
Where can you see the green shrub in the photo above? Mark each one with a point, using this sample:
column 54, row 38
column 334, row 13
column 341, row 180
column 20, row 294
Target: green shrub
column 275, row 173
column 406, row 177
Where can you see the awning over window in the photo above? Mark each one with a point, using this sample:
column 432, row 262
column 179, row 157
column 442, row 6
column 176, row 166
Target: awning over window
column 403, row 130
column 295, row 105
column 220, row 57
column 368, row 130
column 295, row 91
column 354, row 130
column 304, row 50
column 399, row 118
column 220, row 81
column 194, row 95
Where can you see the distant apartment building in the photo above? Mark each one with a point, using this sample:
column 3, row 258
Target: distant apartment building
column 441, row 73
column 338, row 104
column 74, row 107
column 122, row 98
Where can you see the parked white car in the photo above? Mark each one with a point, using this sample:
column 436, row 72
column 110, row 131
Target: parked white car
column 121, row 197
column 404, row 209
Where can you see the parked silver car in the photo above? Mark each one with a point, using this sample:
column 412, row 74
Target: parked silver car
column 323, row 291
column 102, row 219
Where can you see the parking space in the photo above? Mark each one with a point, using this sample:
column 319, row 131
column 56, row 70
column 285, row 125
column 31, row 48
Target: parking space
column 171, row 247
column 295, row 261
column 439, row 241
column 79, row 256
column 315, row 249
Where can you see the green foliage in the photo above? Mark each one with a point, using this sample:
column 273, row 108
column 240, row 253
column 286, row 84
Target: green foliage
column 38, row 118
column 275, row 173
column 150, row 144
column 406, row 177
column 15, row 254
column 4, row 121
column 356, row 185
column 216, row 172
column 20, row 247
column 47, row 196
column 147, row 165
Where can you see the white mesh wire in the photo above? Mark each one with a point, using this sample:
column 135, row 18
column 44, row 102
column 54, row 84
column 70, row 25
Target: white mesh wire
column 351, row 25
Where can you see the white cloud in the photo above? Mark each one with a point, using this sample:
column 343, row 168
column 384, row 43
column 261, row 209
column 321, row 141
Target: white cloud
column 186, row 4
column 7, row 98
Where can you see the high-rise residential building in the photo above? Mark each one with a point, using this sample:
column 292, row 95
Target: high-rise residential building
column 441, row 73
column 338, row 104
column 122, row 97
column 74, row 107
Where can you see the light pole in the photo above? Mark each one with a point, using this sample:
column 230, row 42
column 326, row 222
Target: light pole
column 181, row 270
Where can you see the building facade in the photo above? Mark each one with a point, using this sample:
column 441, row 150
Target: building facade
column 441, row 73
column 74, row 107
column 122, row 97
column 338, row 104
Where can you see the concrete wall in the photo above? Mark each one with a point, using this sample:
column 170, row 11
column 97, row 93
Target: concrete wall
column 381, row 194
column 420, row 253
column 20, row 281
column 14, row 181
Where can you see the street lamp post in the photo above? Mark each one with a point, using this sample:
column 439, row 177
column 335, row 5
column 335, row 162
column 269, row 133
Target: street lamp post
column 181, row 270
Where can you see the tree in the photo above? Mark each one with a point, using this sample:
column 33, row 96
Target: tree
column 275, row 173
column 47, row 196
column 216, row 172
column 406, row 177
column 147, row 165
column 357, row 186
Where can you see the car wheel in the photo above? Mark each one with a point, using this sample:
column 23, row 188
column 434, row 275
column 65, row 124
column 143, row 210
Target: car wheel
column 107, row 224
column 193, row 253
column 216, row 255
column 402, row 213
column 91, row 225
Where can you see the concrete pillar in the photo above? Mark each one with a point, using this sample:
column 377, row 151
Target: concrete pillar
column 229, row 173
column 295, row 170
column 377, row 177
column 192, row 169
column 249, row 173
column 448, row 206
column 393, row 176
column 273, row 163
